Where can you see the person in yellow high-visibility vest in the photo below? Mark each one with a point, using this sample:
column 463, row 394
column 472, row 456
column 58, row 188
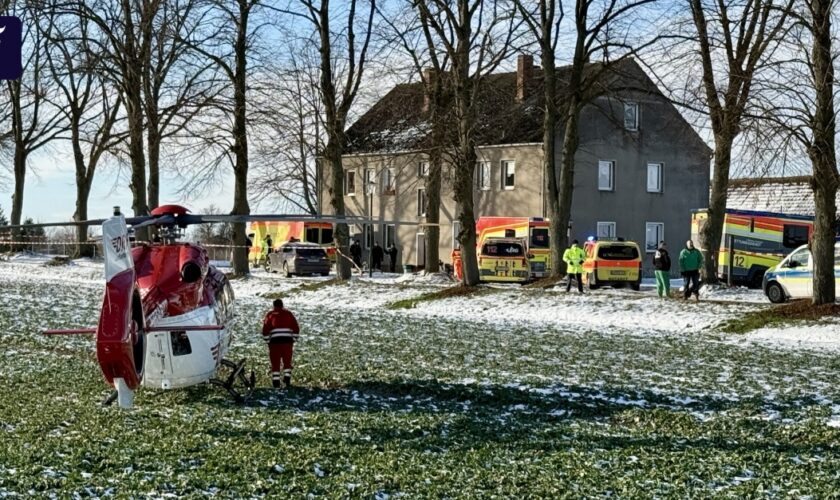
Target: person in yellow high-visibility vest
column 574, row 257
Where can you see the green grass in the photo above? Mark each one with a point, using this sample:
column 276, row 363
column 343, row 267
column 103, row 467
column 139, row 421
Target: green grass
column 391, row 402
column 796, row 312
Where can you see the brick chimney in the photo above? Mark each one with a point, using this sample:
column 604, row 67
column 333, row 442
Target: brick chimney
column 524, row 74
column 428, row 80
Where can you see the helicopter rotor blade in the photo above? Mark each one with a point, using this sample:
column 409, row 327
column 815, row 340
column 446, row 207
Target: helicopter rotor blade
column 334, row 219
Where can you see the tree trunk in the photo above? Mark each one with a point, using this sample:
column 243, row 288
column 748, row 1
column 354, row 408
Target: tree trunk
column 240, row 144
column 556, row 227
column 571, row 140
column 712, row 231
column 332, row 156
column 153, row 146
column 83, row 184
column 464, row 198
column 433, row 181
column 825, row 180
column 17, row 197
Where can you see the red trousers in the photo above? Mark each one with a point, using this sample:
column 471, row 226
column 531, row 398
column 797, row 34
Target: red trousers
column 281, row 356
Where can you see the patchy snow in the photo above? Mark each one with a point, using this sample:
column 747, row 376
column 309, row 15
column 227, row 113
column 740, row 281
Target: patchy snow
column 822, row 336
column 425, row 278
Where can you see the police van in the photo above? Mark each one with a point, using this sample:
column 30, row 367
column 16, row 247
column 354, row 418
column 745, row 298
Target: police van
column 793, row 277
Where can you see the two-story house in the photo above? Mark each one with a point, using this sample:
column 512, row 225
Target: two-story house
column 639, row 170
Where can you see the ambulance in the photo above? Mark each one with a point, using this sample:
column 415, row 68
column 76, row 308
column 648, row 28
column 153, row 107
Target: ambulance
column 793, row 277
column 282, row 232
column 533, row 230
column 612, row 262
column 754, row 241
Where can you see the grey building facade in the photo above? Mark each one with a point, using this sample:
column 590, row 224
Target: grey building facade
column 639, row 171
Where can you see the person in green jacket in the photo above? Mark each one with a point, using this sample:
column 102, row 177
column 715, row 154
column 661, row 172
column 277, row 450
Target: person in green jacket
column 574, row 257
column 691, row 260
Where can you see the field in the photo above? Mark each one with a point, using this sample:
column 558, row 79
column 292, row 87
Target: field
column 507, row 393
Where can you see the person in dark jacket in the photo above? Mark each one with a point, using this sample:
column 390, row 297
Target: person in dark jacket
column 280, row 330
column 662, row 270
column 356, row 253
column 392, row 255
column 691, row 260
column 377, row 255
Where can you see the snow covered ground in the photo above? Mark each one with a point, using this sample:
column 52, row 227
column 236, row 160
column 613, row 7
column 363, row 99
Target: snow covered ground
column 509, row 393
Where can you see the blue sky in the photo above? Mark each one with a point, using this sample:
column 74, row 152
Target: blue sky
column 50, row 191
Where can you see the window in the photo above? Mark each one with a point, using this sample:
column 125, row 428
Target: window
column 503, row 249
column 312, row 234
column 421, row 202
column 389, row 182
column 654, row 178
column 350, row 183
column 617, row 252
column 654, row 233
column 390, row 235
column 508, row 175
column 539, row 237
column 482, row 173
column 423, row 169
column 631, row 116
column 794, row 235
column 799, row 258
column 605, row 230
column 326, row 235
column 368, row 229
column 606, row 174
column 370, row 184
column 456, row 229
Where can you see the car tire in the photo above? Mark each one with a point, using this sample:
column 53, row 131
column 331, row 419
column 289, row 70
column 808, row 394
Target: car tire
column 635, row 286
column 325, row 274
column 286, row 272
column 591, row 281
column 776, row 293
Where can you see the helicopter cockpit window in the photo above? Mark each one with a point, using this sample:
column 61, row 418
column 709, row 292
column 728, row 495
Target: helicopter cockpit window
column 180, row 343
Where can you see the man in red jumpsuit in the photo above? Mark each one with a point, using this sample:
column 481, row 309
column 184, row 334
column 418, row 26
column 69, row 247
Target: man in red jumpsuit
column 280, row 330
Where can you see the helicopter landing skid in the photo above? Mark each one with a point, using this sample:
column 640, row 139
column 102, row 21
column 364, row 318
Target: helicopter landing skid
column 237, row 372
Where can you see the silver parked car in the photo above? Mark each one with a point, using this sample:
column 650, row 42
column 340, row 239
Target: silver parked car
column 299, row 258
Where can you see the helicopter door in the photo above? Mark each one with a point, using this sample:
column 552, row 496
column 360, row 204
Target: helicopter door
column 159, row 360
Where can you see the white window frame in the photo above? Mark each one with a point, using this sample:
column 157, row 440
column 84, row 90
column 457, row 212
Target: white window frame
column 423, row 169
column 347, row 175
column 389, row 181
column 504, row 170
column 456, row 228
column 634, row 125
column 390, row 232
column 370, row 181
column 611, row 164
column 422, row 202
column 610, row 231
column 660, row 167
column 658, row 236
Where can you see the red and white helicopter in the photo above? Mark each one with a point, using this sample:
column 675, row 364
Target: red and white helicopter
column 167, row 313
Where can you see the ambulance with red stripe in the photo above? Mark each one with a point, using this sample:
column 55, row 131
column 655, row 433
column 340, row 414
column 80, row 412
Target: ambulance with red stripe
column 535, row 232
column 282, row 232
column 754, row 241
column 612, row 262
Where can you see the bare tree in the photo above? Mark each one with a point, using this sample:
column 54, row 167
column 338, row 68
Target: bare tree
column 87, row 102
column 289, row 131
column 230, row 50
column 798, row 112
column 176, row 86
column 418, row 42
column 34, row 121
column 338, row 92
column 475, row 35
column 734, row 41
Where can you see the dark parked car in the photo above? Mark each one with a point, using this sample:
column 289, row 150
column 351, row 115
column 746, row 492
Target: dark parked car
column 299, row 258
